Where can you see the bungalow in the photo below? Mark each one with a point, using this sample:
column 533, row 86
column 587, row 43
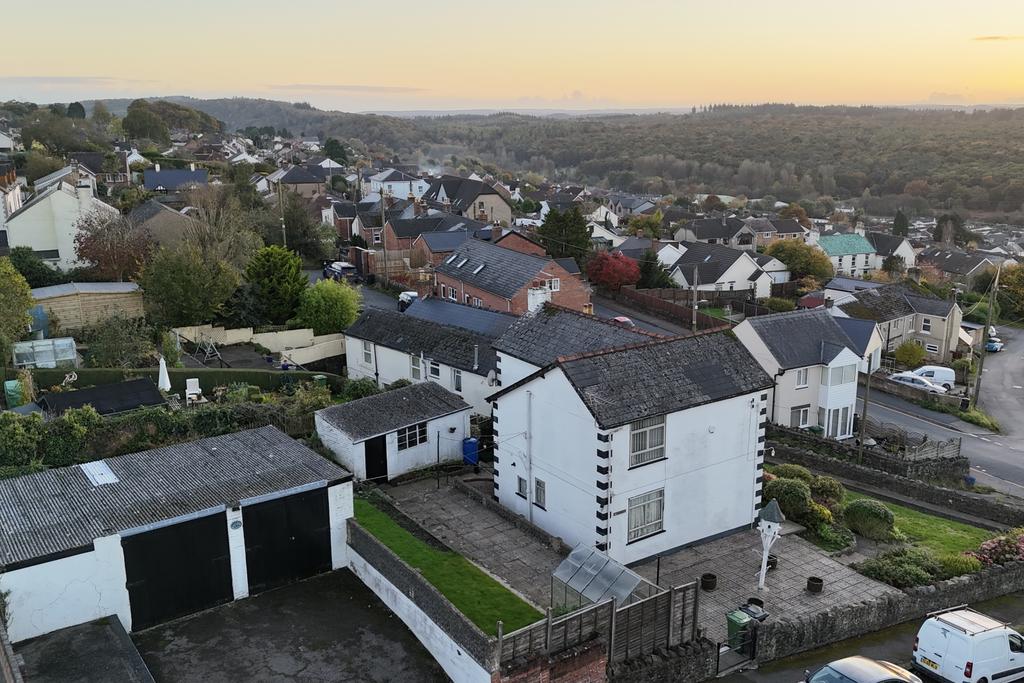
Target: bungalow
column 728, row 231
column 776, row 269
column 770, row 230
column 387, row 346
column 850, row 254
column 387, row 435
column 671, row 432
column 887, row 245
column 486, row 275
column 814, row 366
column 717, row 268
column 469, row 197
column 302, row 182
column 959, row 266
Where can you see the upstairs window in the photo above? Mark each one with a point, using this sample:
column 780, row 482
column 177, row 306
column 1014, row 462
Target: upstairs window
column 415, row 368
column 367, row 353
column 801, row 378
column 646, row 441
column 926, row 324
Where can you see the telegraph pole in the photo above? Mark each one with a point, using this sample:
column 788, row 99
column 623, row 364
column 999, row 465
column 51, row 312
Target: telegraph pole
column 693, row 298
column 988, row 325
column 383, row 232
column 280, row 202
column 864, row 413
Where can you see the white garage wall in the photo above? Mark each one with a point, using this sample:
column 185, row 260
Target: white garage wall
column 340, row 510
column 236, row 550
column 344, row 452
column 69, row 591
column 426, row 454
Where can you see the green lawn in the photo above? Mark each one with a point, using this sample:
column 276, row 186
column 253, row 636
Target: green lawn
column 939, row 535
column 482, row 599
column 713, row 312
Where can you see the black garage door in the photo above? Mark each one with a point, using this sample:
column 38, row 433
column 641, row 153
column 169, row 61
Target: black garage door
column 177, row 570
column 287, row 539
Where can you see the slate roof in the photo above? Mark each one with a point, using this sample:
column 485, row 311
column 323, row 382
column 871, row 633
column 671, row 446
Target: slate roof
column 894, row 301
column 787, row 226
column 434, row 222
column 845, row 245
column 569, row 264
column 384, row 413
column 662, row 377
column 461, row 192
column 711, row 260
column 297, row 175
column 172, row 179
column 60, row 509
column 443, row 242
column 492, row 268
column 859, row 332
column 84, row 288
column 392, row 175
column 635, row 247
column 479, row 320
column 543, row 335
column 452, row 346
column 714, row 228
column 955, row 262
column 107, row 399
column 800, row 338
column 884, row 243
column 92, row 161
column 851, row 284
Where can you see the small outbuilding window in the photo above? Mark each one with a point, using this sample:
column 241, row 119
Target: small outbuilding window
column 367, row 353
column 411, row 436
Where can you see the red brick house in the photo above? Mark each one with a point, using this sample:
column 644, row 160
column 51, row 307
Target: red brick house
column 434, row 247
column 517, row 241
column 400, row 233
column 486, row 275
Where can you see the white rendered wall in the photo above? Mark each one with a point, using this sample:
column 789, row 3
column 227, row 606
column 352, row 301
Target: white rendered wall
column 69, row 591
column 513, row 369
column 348, row 455
column 426, row 454
column 340, row 510
column 459, row 666
column 236, row 551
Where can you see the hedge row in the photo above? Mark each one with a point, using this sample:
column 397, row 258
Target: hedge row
column 268, row 380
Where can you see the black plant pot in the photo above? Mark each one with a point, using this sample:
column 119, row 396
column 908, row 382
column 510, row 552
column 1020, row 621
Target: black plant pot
column 773, row 561
column 708, row 581
column 815, row 584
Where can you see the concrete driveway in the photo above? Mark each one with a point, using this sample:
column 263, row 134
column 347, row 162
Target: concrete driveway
column 328, row 628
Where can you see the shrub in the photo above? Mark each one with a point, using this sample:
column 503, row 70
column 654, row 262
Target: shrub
column 870, row 518
column 817, row 516
column 793, row 496
column 788, row 471
column 778, row 304
column 360, row 388
column 328, row 306
column 910, row 354
column 827, row 490
column 1000, row 550
column 834, row 537
column 958, row 565
column 903, row 568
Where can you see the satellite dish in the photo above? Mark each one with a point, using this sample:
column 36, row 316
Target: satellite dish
column 492, row 378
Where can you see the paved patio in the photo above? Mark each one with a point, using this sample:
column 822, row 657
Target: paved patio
column 482, row 535
column 736, row 560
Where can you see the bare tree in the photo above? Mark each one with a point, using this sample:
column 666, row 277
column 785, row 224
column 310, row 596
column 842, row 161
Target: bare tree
column 112, row 244
column 220, row 227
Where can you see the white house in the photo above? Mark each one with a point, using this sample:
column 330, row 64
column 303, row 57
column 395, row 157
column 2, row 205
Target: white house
column 251, row 511
column 386, row 435
column 638, row 450
column 540, row 337
column 776, row 269
column 387, row 346
column 814, row 364
column 718, row 268
column 47, row 222
column 606, row 233
column 398, row 184
column 887, row 245
column 850, row 253
column 6, row 142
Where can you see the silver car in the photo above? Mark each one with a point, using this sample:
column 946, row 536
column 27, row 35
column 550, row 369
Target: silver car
column 861, row 670
column 912, row 380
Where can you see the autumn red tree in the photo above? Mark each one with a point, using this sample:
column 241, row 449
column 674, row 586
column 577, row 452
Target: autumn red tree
column 612, row 271
column 113, row 245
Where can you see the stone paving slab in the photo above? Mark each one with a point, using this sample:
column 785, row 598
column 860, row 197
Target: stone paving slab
column 736, row 560
column 483, row 536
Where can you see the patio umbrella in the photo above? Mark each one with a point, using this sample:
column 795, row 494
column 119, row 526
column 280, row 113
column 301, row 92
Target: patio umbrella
column 164, row 381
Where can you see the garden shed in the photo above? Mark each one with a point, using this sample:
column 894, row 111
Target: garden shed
column 155, row 535
column 77, row 305
column 383, row 436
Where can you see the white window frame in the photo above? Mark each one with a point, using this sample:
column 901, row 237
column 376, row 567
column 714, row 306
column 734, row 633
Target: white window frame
column 444, row 292
column 931, row 348
column 477, row 303
column 849, row 373
column 805, row 417
column 540, row 494
column 367, row 353
column 415, row 368
column 457, row 379
column 646, row 515
column 555, row 284
column 522, row 489
column 646, row 441
column 926, row 325
column 377, row 237
column 434, row 370
column 801, row 378
column 411, row 436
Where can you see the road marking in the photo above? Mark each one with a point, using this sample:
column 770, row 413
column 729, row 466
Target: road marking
column 984, row 439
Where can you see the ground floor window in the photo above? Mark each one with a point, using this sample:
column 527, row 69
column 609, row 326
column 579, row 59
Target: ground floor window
column 540, row 495
column 838, row 422
column 521, row 487
column 798, row 417
column 646, row 514
column 931, row 348
column 411, row 436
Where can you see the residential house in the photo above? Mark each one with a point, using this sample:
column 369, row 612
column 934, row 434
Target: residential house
column 73, row 174
column 840, row 289
column 149, row 537
column 431, row 248
column 959, row 266
column 302, row 182
column 387, row 435
column 887, row 245
column 517, row 241
column 850, row 254
column 560, row 202
column 338, row 212
column 624, row 206
column 400, row 232
column 487, row 323
column 387, row 346
column 48, row 222
column 905, row 315
column 727, row 230
column 867, row 341
column 770, row 230
column 469, row 197
column 604, row 215
column 814, row 365
column 606, row 236
column 717, row 268
column 6, row 142
column 538, row 338
column 486, row 275
column 11, row 197
column 398, row 184
column 166, row 226
column 671, row 433
column 776, row 269
column 110, row 169
column 174, row 179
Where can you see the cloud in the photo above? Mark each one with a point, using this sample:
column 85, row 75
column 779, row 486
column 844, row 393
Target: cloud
column 342, row 87
column 996, row 39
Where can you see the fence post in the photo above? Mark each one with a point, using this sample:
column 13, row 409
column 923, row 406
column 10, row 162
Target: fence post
column 671, row 620
column 694, row 617
column 611, row 632
column 501, row 642
column 547, row 633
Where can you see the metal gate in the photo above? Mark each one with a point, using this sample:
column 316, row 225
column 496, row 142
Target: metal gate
column 287, row 539
column 177, row 569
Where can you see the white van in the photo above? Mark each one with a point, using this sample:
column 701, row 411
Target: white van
column 960, row 645
column 944, row 377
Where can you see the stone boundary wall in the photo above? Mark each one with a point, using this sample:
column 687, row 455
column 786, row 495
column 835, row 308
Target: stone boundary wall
column 694, row 661
column 976, row 505
column 480, row 646
column 553, row 542
column 10, row 669
column 777, row 638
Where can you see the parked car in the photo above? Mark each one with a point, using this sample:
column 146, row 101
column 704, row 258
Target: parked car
column 994, row 345
column 341, row 270
column 962, row 645
column 624, row 321
column 859, row 669
column 407, row 299
column 912, row 380
column 936, row 374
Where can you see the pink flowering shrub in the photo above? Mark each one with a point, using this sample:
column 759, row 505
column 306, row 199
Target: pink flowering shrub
column 1000, row 550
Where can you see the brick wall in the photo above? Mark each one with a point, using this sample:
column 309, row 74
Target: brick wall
column 10, row 669
column 573, row 293
column 517, row 242
column 585, row 663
